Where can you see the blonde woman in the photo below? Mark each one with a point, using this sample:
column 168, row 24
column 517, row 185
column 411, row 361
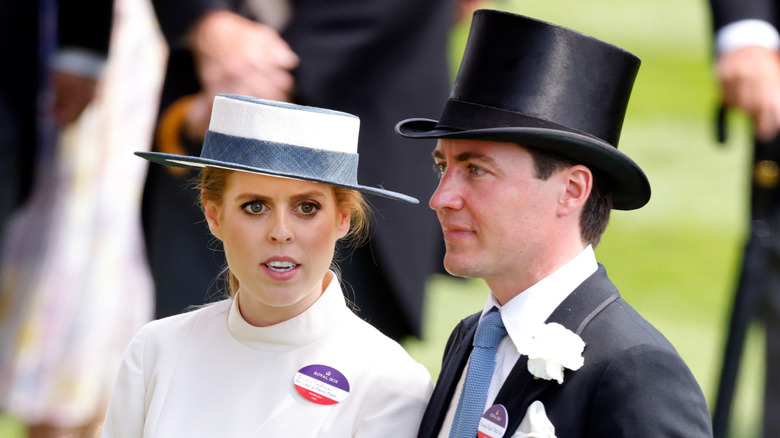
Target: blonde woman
column 284, row 355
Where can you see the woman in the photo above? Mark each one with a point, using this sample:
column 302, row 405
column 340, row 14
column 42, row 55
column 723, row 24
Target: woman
column 284, row 356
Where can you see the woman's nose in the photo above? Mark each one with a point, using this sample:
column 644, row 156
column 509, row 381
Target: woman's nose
column 281, row 231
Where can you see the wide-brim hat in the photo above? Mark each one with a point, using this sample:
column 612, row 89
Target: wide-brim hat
column 279, row 139
column 541, row 85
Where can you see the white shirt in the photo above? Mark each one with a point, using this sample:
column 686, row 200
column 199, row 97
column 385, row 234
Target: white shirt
column 209, row 373
column 530, row 307
column 745, row 33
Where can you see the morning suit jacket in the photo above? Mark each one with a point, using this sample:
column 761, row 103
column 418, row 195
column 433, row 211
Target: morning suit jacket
column 382, row 60
column 728, row 11
column 632, row 384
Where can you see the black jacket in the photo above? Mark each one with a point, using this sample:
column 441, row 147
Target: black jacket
column 632, row 384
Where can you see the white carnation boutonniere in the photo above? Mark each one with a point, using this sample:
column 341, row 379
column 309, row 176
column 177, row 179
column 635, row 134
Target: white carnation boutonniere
column 551, row 348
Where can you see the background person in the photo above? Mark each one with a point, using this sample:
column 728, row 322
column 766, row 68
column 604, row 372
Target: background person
column 58, row 50
column 72, row 239
column 748, row 69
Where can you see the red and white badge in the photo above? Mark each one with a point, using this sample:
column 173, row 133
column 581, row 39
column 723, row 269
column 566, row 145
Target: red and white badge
column 493, row 422
column 321, row 384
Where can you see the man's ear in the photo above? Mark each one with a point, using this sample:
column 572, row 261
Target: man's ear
column 578, row 180
column 212, row 212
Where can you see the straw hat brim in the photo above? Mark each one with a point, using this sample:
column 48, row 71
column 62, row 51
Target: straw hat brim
column 197, row 163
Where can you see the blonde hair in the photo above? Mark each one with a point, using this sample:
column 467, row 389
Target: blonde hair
column 213, row 181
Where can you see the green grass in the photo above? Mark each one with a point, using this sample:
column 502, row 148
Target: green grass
column 10, row 428
column 675, row 259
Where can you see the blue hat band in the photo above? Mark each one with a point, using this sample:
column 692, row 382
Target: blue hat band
column 281, row 159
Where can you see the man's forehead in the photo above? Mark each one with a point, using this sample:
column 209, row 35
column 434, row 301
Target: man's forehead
column 465, row 150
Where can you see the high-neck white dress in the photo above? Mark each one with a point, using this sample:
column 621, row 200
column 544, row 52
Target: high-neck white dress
column 209, row 373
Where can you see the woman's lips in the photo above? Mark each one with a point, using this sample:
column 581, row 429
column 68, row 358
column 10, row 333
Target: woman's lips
column 280, row 269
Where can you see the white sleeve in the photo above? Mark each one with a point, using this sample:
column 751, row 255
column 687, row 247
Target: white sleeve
column 79, row 62
column 127, row 408
column 746, row 33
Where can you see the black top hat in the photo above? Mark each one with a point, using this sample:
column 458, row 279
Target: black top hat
column 541, row 85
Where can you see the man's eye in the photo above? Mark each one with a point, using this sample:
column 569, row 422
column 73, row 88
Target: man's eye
column 439, row 169
column 476, row 170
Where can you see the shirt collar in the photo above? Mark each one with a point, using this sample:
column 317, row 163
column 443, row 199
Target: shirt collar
column 534, row 305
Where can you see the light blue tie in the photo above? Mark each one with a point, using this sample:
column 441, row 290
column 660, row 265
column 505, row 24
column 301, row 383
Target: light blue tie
column 471, row 404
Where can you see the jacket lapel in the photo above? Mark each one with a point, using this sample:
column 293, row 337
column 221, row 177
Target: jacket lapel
column 456, row 355
column 575, row 312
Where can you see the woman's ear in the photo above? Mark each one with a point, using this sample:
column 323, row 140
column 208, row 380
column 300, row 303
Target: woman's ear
column 578, row 184
column 212, row 212
column 343, row 224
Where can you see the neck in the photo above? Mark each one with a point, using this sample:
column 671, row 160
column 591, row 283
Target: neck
column 261, row 314
column 506, row 287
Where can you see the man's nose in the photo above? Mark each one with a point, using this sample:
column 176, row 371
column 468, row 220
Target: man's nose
column 447, row 194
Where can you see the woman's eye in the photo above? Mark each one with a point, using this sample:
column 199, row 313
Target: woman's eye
column 254, row 207
column 308, row 208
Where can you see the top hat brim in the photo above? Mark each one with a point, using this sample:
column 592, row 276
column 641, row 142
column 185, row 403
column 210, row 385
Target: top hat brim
column 629, row 185
column 197, row 163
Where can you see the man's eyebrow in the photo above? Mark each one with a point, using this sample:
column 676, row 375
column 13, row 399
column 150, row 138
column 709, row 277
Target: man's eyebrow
column 465, row 156
column 473, row 156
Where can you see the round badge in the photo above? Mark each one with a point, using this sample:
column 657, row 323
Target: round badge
column 321, row 384
column 493, row 422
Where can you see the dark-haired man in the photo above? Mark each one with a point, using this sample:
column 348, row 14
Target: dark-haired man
column 527, row 152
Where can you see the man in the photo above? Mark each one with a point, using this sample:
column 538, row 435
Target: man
column 530, row 169
column 748, row 67
column 377, row 59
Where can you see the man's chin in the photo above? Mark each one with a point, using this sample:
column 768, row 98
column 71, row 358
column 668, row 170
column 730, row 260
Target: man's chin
column 458, row 267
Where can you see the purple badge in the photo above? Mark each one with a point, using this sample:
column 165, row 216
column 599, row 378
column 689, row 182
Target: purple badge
column 321, row 384
column 493, row 422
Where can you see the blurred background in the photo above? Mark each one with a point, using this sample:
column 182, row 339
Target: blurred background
column 676, row 259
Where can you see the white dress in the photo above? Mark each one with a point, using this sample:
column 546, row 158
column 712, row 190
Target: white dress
column 209, row 373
